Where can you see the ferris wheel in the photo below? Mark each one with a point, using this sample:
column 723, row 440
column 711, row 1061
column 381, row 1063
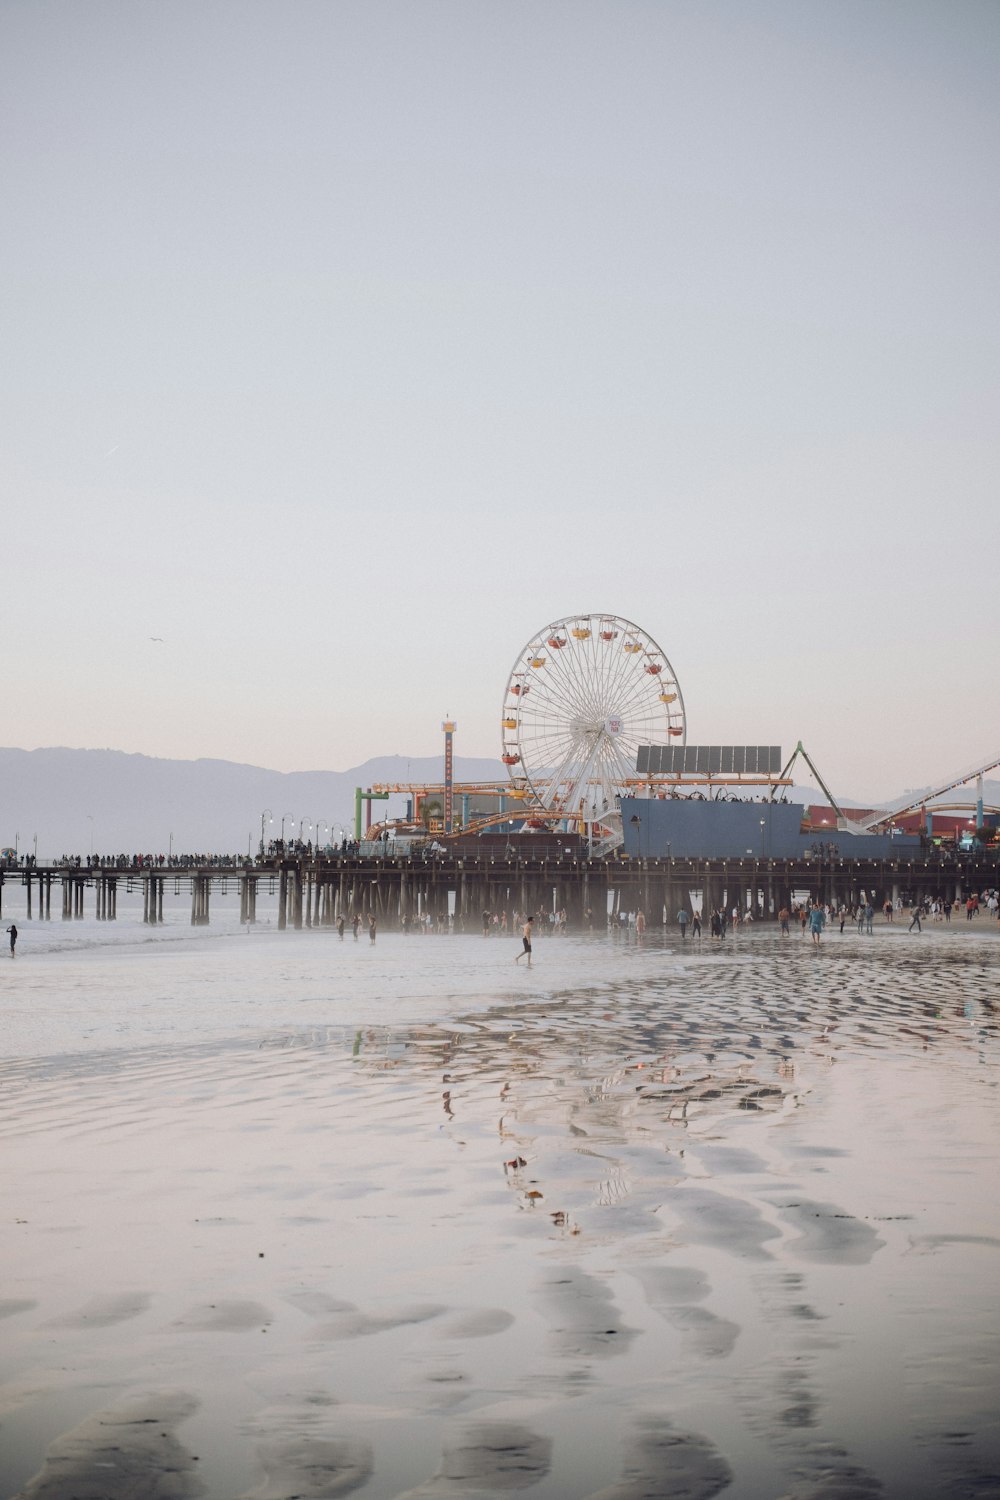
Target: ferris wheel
column 583, row 695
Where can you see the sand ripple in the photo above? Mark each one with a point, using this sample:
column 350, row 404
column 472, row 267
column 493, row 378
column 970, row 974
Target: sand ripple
column 645, row 1223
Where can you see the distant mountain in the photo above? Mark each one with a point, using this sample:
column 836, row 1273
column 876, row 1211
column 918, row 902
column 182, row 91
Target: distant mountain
column 105, row 800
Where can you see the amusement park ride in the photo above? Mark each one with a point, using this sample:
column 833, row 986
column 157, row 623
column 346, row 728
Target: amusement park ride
column 584, row 694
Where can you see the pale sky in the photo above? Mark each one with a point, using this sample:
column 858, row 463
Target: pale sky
column 345, row 345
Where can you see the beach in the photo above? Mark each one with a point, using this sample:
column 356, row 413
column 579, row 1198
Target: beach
column 286, row 1215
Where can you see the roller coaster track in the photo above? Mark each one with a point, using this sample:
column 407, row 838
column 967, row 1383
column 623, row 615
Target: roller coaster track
column 878, row 820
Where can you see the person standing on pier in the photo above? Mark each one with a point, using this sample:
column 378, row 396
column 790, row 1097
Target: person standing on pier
column 526, row 931
column 12, row 930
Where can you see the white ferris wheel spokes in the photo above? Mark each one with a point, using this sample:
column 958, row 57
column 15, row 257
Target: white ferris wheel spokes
column 583, row 695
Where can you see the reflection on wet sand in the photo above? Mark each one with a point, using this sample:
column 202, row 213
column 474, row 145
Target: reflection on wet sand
column 668, row 1224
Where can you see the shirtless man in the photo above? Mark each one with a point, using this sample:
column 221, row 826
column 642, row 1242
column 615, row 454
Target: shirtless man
column 526, row 940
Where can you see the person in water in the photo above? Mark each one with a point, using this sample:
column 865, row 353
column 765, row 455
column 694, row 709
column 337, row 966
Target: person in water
column 371, row 928
column 817, row 918
column 13, row 938
column 526, row 941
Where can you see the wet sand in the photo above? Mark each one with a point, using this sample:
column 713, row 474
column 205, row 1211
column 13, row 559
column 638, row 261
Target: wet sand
column 285, row 1216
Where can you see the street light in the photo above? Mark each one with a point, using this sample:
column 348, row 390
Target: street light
column 90, row 819
column 320, row 822
column 170, row 850
column 265, row 814
column 285, row 818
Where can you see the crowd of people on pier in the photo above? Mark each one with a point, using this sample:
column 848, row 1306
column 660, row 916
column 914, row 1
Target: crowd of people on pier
column 150, row 862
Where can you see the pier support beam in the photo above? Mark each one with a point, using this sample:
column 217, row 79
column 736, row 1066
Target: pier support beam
column 201, row 885
column 248, row 899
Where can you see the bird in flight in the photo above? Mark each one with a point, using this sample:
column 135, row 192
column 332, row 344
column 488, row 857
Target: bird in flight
column 158, row 638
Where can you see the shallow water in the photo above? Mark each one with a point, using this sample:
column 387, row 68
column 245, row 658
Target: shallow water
column 286, row 1215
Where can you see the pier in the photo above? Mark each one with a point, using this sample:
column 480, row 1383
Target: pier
column 319, row 890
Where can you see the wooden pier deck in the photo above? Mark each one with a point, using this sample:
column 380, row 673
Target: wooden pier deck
column 316, row 891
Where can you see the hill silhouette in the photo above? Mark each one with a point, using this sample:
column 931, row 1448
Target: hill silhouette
column 113, row 802
column 75, row 800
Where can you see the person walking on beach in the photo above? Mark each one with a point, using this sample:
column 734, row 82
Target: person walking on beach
column 371, row 928
column 682, row 922
column 783, row 919
column 817, row 917
column 640, row 923
column 356, row 925
column 340, row 927
column 869, row 917
column 696, row 925
column 526, row 941
column 13, row 938
column 915, row 919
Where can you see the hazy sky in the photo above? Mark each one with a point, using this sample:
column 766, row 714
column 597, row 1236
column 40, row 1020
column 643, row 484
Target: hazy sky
column 347, row 344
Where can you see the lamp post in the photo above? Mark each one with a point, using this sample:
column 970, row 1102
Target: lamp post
column 285, row 818
column 170, row 853
column 320, row 823
column 90, row 819
column 265, row 814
